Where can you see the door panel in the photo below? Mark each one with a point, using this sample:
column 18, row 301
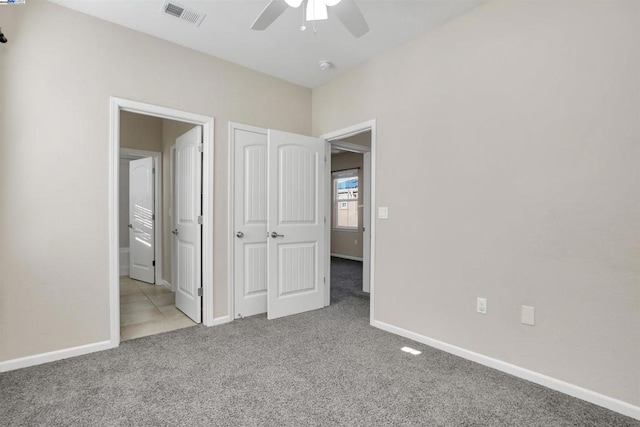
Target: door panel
column 141, row 220
column 297, row 267
column 188, row 235
column 250, row 221
column 296, row 223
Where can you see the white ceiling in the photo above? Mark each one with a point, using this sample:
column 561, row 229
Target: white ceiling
column 281, row 50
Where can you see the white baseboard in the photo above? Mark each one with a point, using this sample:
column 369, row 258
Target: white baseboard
column 221, row 320
column 124, row 261
column 590, row 396
column 52, row 356
column 352, row 258
column 166, row 284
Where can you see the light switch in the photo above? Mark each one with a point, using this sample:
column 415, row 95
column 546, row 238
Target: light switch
column 481, row 305
column 528, row 315
column 383, row 212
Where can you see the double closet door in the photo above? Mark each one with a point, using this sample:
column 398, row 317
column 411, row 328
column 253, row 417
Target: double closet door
column 278, row 222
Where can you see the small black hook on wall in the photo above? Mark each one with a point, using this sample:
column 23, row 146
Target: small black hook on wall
column 3, row 39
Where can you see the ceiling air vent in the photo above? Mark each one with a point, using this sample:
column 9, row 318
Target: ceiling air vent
column 177, row 11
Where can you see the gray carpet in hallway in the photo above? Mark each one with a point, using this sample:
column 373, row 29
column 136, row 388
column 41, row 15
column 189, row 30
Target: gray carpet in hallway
column 346, row 281
column 326, row 367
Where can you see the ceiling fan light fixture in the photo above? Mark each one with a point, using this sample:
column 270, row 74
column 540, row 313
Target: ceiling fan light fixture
column 316, row 10
column 347, row 13
column 294, row 3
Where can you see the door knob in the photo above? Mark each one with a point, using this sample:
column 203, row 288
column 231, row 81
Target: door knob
column 239, row 234
column 130, row 225
column 175, row 231
column 274, row 234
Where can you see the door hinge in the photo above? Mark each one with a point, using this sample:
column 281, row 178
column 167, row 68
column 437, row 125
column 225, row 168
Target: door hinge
column 201, row 147
column 154, row 263
column 200, row 219
column 325, row 279
column 325, row 219
column 153, row 171
column 199, row 292
column 153, row 217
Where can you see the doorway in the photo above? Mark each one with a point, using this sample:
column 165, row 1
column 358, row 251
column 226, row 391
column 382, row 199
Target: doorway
column 347, row 223
column 276, row 212
column 149, row 303
column 358, row 140
column 126, row 156
column 205, row 145
column 247, row 281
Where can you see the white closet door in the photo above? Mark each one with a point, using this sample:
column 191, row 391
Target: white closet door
column 296, row 183
column 250, row 221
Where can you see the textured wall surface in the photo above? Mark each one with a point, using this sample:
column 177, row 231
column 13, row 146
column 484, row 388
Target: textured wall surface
column 54, row 289
column 508, row 155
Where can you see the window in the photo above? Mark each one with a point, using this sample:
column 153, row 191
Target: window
column 345, row 199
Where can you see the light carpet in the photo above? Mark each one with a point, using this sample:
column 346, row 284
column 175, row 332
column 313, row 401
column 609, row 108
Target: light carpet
column 323, row 368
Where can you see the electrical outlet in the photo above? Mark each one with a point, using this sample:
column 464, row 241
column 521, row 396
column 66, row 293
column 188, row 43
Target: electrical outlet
column 481, row 305
column 355, row 242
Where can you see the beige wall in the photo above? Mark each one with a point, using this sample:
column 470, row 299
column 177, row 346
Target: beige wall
column 54, row 283
column 140, row 132
column 509, row 157
column 348, row 243
column 363, row 139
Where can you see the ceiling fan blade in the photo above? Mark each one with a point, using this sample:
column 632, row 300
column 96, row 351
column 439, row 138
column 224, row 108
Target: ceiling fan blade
column 274, row 9
column 349, row 14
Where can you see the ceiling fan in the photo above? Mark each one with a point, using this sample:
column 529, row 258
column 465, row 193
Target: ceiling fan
column 316, row 10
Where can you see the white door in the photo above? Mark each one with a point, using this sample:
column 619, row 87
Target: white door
column 295, row 207
column 187, row 214
column 250, row 221
column 141, row 220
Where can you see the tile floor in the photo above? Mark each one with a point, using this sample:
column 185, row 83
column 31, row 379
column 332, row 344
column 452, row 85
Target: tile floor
column 147, row 310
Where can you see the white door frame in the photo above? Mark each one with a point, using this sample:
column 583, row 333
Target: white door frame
column 116, row 106
column 131, row 154
column 333, row 137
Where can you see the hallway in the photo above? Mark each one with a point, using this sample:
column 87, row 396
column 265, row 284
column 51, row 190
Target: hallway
column 147, row 309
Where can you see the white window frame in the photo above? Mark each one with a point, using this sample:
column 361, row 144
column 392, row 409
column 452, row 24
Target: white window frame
column 349, row 173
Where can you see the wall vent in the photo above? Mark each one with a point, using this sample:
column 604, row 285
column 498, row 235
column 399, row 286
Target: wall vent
column 177, row 11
